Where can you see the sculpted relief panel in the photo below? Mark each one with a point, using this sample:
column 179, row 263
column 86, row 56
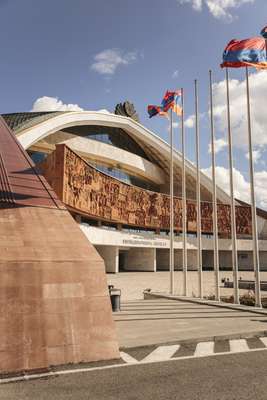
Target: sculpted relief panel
column 98, row 195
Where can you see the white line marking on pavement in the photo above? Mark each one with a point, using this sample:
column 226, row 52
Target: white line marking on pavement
column 127, row 358
column 162, row 353
column 95, row 369
column 204, row 349
column 264, row 340
column 238, row 345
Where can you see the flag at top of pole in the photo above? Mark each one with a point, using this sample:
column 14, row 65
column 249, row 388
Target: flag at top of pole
column 172, row 100
column 237, row 54
column 169, row 104
column 245, row 53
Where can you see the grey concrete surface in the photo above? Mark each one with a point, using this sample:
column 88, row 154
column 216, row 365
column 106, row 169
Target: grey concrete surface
column 132, row 284
column 225, row 377
column 148, row 322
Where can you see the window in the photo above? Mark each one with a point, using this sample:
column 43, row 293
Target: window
column 37, row 156
column 125, row 177
column 243, row 256
column 114, row 136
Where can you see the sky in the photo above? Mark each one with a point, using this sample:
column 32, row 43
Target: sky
column 91, row 55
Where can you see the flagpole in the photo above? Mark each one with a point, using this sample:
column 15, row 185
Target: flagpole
column 184, row 199
column 256, row 260
column 198, row 198
column 171, row 207
column 233, row 217
column 214, row 199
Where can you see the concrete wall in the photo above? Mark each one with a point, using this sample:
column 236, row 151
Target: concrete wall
column 140, row 259
column 149, row 259
column 110, row 255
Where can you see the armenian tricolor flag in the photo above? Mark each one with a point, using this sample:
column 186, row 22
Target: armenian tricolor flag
column 156, row 110
column 242, row 53
column 172, row 100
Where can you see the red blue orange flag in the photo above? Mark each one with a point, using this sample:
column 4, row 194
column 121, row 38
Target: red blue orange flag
column 156, row 110
column 172, row 100
column 242, row 53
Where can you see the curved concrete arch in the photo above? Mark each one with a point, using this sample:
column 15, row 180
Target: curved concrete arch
column 151, row 142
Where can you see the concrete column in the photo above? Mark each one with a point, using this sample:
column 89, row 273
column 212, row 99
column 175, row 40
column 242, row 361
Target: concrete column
column 110, row 255
column 140, row 259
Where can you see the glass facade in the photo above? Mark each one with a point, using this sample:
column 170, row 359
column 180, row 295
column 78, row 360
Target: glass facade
column 37, row 156
column 117, row 173
column 114, row 136
column 125, row 177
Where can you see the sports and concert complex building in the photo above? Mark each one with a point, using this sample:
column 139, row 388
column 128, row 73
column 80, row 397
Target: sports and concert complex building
column 112, row 174
column 106, row 209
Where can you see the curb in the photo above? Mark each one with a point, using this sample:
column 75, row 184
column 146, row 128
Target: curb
column 54, row 372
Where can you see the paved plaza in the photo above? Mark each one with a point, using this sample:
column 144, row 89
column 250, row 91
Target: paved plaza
column 132, row 284
column 149, row 322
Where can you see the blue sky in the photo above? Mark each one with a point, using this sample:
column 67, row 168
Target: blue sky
column 98, row 53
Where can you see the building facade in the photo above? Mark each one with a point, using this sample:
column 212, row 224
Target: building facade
column 112, row 174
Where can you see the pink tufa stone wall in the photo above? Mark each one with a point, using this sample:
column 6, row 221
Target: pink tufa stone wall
column 54, row 303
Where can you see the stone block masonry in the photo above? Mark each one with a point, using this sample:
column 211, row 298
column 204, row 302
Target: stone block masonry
column 54, row 302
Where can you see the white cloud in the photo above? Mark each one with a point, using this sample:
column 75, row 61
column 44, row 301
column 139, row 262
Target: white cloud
column 47, row 103
column 175, row 125
column 107, row 61
column 103, row 111
column 219, row 144
column 238, row 101
column 256, row 155
column 241, row 186
column 220, row 9
column 190, row 122
column 175, row 73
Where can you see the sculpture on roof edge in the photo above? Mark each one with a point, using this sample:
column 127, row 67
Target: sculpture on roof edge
column 126, row 109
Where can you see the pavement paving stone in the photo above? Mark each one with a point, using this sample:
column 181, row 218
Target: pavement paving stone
column 140, row 353
column 186, row 350
column 221, row 346
column 255, row 343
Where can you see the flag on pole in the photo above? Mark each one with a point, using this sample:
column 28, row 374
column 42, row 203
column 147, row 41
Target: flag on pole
column 156, row 110
column 245, row 53
column 172, row 100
